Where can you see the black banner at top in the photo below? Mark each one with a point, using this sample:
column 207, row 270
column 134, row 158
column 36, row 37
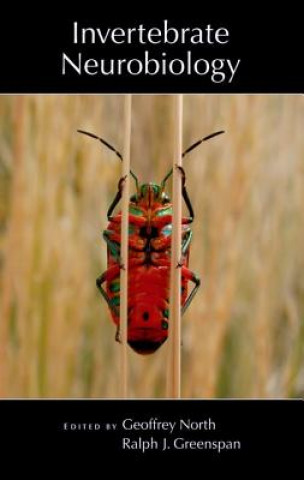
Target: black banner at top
column 104, row 53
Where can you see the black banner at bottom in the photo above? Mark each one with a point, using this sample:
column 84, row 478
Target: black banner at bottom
column 145, row 431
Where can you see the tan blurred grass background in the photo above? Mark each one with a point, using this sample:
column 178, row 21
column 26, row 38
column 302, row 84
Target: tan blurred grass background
column 244, row 333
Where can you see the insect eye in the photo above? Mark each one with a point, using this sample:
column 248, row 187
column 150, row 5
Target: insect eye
column 164, row 325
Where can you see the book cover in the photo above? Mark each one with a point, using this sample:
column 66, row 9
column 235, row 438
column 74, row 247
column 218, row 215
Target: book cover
column 159, row 159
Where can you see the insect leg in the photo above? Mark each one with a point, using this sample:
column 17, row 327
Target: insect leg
column 186, row 242
column 117, row 197
column 188, row 275
column 185, row 194
column 185, row 248
column 108, row 275
column 114, row 247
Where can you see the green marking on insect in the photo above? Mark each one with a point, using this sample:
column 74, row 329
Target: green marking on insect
column 114, row 287
column 164, row 211
column 135, row 211
column 164, row 325
column 115, row 301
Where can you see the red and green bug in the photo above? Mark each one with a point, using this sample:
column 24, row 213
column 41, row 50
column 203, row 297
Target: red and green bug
column 150, row 229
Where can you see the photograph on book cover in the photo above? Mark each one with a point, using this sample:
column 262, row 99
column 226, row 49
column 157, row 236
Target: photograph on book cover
column 242, row 335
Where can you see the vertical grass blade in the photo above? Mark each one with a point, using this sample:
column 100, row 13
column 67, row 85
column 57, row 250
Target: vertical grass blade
column 124, row 247
column 175, row 273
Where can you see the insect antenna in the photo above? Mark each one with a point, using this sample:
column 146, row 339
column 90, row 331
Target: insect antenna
column 104, row 142
column 188, row 150
column 198, row 142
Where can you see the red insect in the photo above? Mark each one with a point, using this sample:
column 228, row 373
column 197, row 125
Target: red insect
column 150, row 228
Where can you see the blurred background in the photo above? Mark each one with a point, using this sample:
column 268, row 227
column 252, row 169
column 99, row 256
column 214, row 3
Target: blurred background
column 243, row 335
